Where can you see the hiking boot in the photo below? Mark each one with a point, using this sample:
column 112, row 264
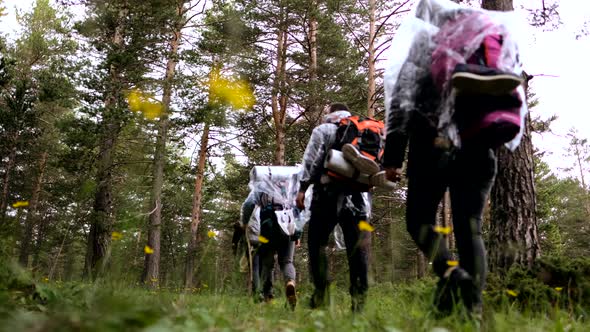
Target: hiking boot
column 456, row 285
column 317, row 300
column 472, row 78
column 358, row 303
column 291, row 294
column 268, row 298
column 362, row 163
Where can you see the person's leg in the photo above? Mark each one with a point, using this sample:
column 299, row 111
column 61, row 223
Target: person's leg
column 471, row 183
column 266, row 253
column 322, row 221
column 256, row 270
column 358, row 244
column 427, row 183
column 285, row 253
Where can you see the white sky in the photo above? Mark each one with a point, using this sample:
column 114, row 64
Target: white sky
column 554, row 52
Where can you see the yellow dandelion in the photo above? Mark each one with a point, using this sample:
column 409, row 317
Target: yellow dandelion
column 452, row 263
column 237, row 93
column 442, row 230
column 20, row 204
column 148, row 250
column 211, row 234
column 145, row 103
column 559, row 289
column 262, row 239
column 151, row 110
column 134, row 100
column 511, row 293
column 116, row 236
column 365, row 226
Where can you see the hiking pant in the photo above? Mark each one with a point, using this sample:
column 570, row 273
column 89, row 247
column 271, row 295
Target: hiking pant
column 469, row 174
column 328, row 209
column 284, row 248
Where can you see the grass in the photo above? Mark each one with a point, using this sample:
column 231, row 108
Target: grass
column 26, row 305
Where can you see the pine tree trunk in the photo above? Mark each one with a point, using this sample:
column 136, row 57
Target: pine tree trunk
column 196, row 212
column 371, row 50
column 99, row 237
column 420, row 265
column 31, row 218
column 513, row 227
column 279, row 97
column 500, row 5
column 150, row 275
column 6, row 181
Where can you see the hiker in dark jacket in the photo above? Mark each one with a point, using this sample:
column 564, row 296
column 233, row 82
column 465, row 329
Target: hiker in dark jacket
column 332, row 205
column 424, row 106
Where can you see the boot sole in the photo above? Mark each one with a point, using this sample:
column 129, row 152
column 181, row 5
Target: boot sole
column 360, row 162
column 493, row 85
column 291, row 296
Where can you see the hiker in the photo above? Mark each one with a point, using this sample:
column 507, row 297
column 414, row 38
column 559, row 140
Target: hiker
column 455, row 96
column 272, row 196
column 334, row 204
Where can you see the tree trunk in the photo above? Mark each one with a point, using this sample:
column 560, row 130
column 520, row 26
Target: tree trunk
column 500, row 5
column 420, row 265
column 196, row 212
column 513, row 227
column 447, row 219
column 6, row 181
column 99, row 237
column 279, row 96
column 31, row 218
column 151, row 269
column 371, row 50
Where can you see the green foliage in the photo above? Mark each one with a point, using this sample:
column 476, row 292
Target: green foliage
column 554, row 282
column 37, row 305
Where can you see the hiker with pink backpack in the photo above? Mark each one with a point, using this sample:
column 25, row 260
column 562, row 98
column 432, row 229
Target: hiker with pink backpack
column 453, row 94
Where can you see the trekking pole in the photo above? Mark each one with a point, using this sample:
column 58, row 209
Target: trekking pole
column 250, row 269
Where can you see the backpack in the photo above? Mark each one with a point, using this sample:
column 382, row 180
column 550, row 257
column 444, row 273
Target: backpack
column 367, row 135
column 489, row 121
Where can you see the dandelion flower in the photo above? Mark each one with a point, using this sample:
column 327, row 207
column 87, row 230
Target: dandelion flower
column 452, row 263
column 148, row 250
column 559, row 289
column 20, row 204
column 211, row 234
column 116, row 236
column 237, row 93
column 262, row 239
column 442, row 230
column 365, row 226
column 511, row 293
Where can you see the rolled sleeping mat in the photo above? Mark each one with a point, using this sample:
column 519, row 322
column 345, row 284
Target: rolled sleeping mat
column 260, row 173
column 336, row 162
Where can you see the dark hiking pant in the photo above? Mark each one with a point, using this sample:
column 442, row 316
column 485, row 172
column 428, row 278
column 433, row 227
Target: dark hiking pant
column 329, row 208
column 468, row 174
column 279, row 244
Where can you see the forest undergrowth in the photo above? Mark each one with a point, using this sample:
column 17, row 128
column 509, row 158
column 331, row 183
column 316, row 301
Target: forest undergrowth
column 27, row 304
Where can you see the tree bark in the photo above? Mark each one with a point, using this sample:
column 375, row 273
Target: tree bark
column 196, row 212
column 371, row 50
column 150, row 275
column 31, row 218
column 99, row 237
column 513, row 227
column 500, row 5
column 7, row 172
column 279, row 96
